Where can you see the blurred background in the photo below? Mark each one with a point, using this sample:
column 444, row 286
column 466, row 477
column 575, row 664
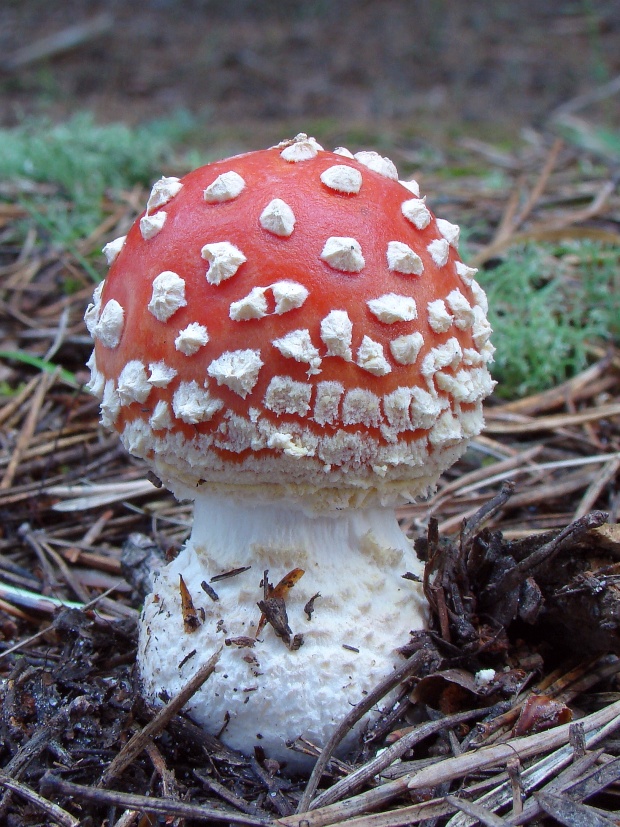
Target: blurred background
column 478, row 66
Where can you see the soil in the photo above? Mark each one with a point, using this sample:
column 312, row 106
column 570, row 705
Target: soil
column 478, row 64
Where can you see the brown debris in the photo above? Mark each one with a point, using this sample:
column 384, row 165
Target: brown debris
column 191, row 621
column 243, row 642
column 273, row 607
column 274, row 611
column 139, row 740
column 480, row 584
column 572, row 813
column 209, row 590
column 286, row 584
column 232, row 573
column 539, row 713
column 309, row 607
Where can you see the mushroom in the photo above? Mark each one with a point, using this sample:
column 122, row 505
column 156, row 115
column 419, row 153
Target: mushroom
column 289, row 339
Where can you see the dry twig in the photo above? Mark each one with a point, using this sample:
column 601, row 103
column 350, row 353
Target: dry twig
column 148, row 804
column 138, row 742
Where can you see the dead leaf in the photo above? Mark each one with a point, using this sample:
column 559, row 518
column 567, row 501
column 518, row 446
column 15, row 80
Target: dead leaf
column 539, row 713
column 279, row 592
column 190, row 616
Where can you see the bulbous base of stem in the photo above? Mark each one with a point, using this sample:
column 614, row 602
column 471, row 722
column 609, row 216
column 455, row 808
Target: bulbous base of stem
column 351, row 608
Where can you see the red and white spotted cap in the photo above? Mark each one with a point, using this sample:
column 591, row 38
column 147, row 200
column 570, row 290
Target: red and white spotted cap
column 295, row 319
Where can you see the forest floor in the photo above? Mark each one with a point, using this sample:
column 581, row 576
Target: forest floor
column 521, row 539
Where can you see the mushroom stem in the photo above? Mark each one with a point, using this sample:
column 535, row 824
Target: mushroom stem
column 347, row 614
column 230, row 528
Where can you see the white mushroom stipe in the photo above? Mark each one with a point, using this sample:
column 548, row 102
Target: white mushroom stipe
column 416, row 212
column 224, row 260
column 163, row 191
column 168, row 295
column 278, row 218
column 226, row 187
column 358, row 557
column 151, row 225
column 344, row 254
column 402, row 259
column 113, row 248
column 342, row 178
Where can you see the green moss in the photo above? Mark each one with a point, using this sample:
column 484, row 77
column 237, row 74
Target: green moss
column 546, row 305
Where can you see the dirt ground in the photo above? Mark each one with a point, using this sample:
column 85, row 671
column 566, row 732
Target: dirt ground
column 478, row 65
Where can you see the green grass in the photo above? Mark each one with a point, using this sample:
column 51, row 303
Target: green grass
column 41, row 364
column 79, row 162
column 547, row 304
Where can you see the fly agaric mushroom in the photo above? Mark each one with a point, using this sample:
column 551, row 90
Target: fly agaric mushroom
column 289, row 339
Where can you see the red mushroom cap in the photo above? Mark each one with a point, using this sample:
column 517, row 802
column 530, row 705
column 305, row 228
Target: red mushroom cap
column 293, row 318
